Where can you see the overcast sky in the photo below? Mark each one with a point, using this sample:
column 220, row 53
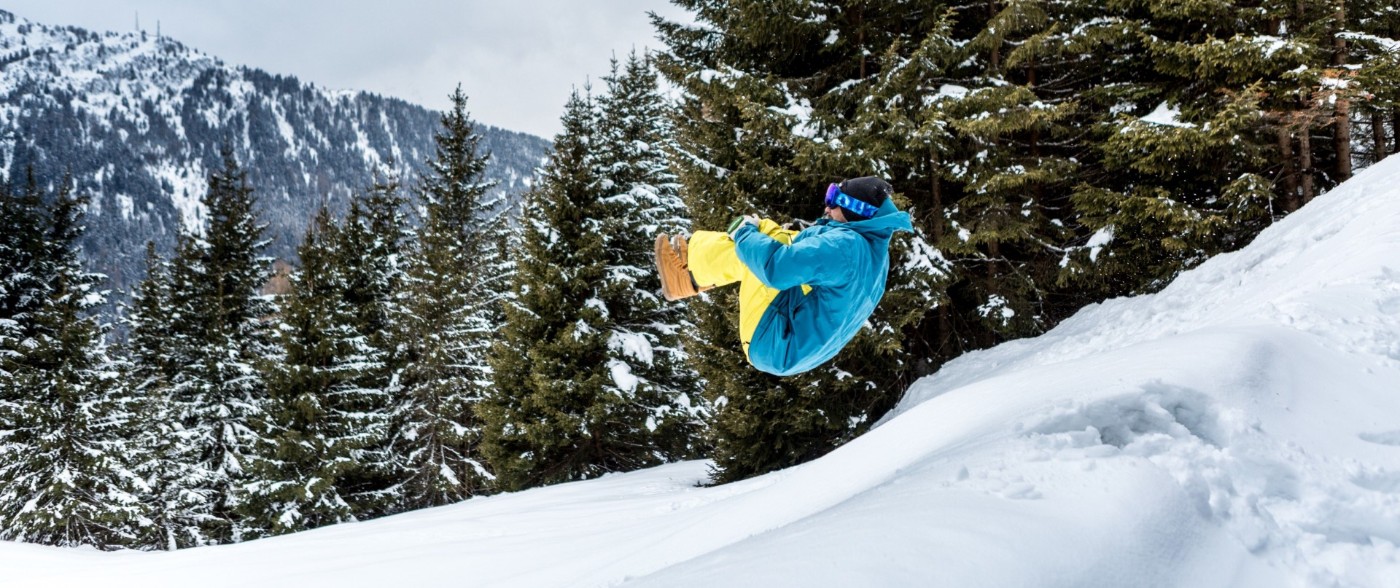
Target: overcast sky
column 517, row 60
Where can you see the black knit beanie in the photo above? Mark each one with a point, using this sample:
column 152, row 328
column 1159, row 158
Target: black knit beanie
column 869, row 189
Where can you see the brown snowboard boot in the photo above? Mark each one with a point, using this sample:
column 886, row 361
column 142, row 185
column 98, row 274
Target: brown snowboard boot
column 671, row 265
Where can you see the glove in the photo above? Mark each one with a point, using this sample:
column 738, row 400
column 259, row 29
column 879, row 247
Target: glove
column 739, row 222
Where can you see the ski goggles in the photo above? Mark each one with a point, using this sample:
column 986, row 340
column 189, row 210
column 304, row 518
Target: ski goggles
column 836, row 198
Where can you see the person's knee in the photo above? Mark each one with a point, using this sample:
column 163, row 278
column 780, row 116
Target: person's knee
column 713, row 260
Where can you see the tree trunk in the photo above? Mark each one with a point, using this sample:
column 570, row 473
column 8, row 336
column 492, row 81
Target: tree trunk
column 1305, row 161
column 1289, row 173
column 860, row 39
column 1339, row 43
column 936, row 189
column 1394, row 130
column 996, row 50
column 945, row 336
column 993, row 258
column 1342, row 139
column 945, row 333
column 991, row 336
column 945, row 319
column 1378, row 149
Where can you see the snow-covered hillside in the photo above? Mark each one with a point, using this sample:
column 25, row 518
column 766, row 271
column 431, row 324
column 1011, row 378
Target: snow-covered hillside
column 138, row 121
column 1240, row 428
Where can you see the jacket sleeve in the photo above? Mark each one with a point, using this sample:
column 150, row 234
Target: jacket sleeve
column 821, row 260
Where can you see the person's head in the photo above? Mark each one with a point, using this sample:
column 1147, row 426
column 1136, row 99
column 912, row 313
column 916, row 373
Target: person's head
column 856, row 199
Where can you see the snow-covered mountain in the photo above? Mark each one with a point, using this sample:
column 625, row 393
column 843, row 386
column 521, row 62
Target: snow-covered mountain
column 138, row 120
column 1239, row 428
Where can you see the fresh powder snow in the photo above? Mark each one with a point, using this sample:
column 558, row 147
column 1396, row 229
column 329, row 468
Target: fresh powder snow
column 1239, row 428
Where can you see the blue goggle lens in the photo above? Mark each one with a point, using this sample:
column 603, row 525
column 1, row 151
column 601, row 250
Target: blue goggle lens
column 836, row 198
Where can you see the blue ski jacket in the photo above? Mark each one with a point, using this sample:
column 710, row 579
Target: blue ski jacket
column 845, row 265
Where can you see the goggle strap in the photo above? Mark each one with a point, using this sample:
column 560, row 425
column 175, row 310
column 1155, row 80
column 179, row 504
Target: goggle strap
column 859, row 207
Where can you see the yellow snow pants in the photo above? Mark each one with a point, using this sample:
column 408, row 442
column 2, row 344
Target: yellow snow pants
column 713, row 261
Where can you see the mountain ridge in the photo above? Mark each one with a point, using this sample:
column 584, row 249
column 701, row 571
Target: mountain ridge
column 139, row 120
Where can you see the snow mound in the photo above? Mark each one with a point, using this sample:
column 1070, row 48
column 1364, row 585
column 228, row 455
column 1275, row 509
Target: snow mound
column 1265, row 383
column 1239, row 428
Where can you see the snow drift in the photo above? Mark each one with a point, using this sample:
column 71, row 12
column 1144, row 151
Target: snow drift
column 1240, row 428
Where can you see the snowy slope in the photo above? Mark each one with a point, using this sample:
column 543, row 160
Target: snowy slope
column 1240, row 428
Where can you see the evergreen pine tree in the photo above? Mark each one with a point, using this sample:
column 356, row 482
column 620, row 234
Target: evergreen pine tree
column 370, row 255
column 1372, row 36
column 217, row 340
column 453, row 290
column 1012, row 180
column 632, row 147
column 769, row 92
column 1053, row 153
column 22, row 252
column 155, row 352
column 310, row 436
column 554, row 413
column 148, row 320
column 588, row 374
column 1178, row 143
column 64, row 475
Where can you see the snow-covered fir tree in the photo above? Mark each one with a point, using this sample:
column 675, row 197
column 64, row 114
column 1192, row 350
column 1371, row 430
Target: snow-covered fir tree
column 369, row 255
column 551, row 380
column 154, row 353
column 150, row 324
column 1175, row 144
column 761, row 129
column 590, row 374
column 632, row 147
column 65, row 475
column 216, row 340
column 449, row 307
column 22, row 252
column 1053, row 153
column 327, row 458
column 1371, row 41
column 1014, row 176
column 313, row 425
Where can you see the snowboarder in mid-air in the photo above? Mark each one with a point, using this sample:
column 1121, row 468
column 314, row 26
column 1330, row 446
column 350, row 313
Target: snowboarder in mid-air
column 802, row 294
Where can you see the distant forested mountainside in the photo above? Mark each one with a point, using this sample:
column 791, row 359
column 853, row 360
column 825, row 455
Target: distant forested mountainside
column 138, row 121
